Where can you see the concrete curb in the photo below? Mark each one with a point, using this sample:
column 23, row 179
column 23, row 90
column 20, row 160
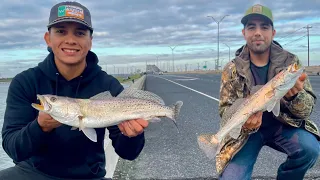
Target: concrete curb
column 139, row 84
column 111, row 155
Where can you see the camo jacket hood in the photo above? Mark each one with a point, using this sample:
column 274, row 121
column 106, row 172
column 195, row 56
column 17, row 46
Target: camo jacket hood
column 237, row 81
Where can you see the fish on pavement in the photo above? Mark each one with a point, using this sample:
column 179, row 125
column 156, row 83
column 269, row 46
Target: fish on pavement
column 263, row 98
column 103, row 109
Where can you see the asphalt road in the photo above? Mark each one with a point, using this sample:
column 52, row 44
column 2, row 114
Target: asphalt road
column 171, row 155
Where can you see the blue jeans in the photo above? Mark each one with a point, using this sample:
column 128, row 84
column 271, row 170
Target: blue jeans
column 301, row 147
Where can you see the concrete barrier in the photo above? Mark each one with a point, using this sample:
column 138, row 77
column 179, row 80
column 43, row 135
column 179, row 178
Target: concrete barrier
column 111, row 156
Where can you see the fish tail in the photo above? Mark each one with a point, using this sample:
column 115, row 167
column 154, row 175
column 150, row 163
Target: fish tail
column 176, row 111
column 208, row 143
column 177, row 107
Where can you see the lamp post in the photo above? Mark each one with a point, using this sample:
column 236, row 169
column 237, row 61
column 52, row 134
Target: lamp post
column 308, row 27
column 172, row 48
column 218, row 22
column 114, row 69
column 229, row 50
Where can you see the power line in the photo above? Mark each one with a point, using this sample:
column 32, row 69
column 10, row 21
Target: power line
column 291, row 33
column 295, row 40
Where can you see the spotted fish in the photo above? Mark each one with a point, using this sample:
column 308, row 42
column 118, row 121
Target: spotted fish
column 103, row 110
column 264, row 98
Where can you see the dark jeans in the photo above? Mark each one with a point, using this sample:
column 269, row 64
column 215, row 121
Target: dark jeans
column 23, row 171
column 301, row 147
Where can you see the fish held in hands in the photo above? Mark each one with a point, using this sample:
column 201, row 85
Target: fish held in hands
column 103, row 109
column 263, row 98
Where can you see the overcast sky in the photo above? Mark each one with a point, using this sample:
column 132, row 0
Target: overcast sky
column 130, row 32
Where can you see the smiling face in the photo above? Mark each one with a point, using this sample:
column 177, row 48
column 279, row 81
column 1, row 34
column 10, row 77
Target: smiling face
column 259, row 34
column 70, row 42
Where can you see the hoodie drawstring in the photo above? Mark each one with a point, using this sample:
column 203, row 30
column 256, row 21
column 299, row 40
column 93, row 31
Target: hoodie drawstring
column 78, row 86
column 57, row 75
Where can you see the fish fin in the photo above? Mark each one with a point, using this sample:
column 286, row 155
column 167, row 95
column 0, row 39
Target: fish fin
column 141, row 94
column 176, row 111
column 154, row 119
column 81, row 125
column 235, row 133
column 73, row 128
column 276, row 108
column 90, row 133
column 232, row 109
column 255, row 89
column 208, row 143
column 102, row 95
column 271, row 106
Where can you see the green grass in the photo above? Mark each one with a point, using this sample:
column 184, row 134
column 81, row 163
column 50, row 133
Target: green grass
column 5, row 79
column 123, row 80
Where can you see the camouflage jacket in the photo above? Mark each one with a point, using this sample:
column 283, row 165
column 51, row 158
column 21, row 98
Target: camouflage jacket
column 237, row 81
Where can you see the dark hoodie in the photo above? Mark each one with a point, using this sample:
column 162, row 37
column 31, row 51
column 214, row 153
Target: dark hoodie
column 63, row 152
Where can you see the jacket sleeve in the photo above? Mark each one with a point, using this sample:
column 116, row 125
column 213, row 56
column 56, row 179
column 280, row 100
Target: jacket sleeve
column 21, row 133
column 227, row 93
column 125, row 147
column 302, row 104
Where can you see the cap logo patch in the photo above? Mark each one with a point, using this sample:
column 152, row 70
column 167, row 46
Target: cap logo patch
column 257, row 9
column 70, row 11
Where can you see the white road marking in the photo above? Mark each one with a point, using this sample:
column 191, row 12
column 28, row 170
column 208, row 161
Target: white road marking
column 187, row 79
column 180, row 76
column 191, row 89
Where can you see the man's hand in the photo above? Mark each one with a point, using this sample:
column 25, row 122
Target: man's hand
column 133, row 128
column 297, row 87
column 254, row 121
column 47, row 123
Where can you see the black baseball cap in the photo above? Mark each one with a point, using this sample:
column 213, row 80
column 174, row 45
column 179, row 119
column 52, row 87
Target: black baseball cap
column 70, row 12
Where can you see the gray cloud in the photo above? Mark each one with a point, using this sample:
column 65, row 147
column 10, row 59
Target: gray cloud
column 160, row 22
column 120, row 23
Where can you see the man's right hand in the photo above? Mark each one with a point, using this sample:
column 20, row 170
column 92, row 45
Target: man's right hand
column 254, row 121
column 47, row 123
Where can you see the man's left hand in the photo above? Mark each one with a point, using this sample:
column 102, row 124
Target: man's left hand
column 133, row 128
column 297, row 87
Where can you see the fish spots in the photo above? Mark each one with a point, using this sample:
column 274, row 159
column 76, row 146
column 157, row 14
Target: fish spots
column 270, row 94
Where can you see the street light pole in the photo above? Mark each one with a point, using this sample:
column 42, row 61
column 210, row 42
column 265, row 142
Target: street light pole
column 229, row 50
column 308, row 27
column 172, row 48
column 114, row 69
column 218, row 22
column 157, row 60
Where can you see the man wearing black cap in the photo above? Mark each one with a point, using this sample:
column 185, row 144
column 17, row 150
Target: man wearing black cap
column 40, row 146
column 292, row 132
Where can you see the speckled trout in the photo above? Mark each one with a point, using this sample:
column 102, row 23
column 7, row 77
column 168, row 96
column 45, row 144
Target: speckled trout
column 263, row 98
column 103, row 110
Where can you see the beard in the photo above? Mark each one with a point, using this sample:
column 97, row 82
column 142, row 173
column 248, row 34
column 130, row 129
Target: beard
column 258, row 49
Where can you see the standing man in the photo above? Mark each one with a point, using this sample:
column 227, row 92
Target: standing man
column 292, row 133
column 40, row 146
